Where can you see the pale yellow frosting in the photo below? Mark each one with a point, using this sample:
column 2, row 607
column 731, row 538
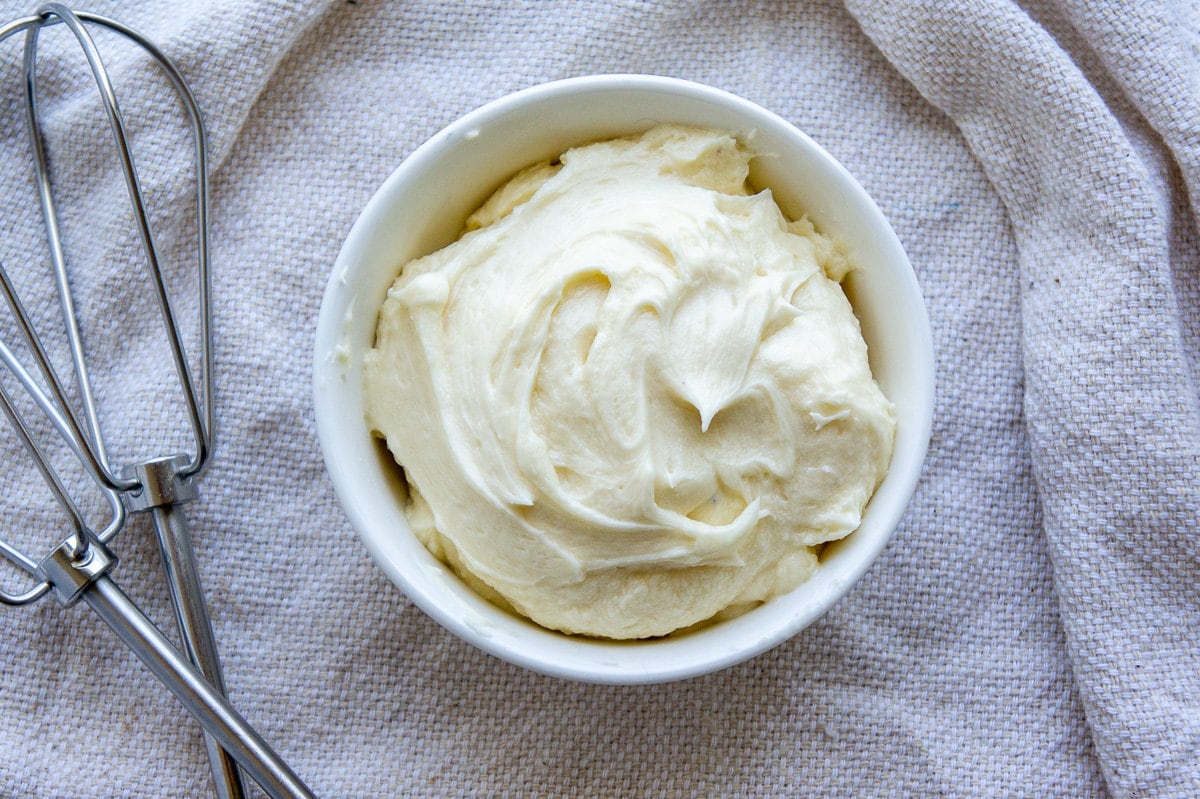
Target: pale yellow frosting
column 632, row 396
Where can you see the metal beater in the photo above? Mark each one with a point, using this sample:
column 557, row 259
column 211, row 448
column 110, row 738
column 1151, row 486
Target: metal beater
column 77, row 569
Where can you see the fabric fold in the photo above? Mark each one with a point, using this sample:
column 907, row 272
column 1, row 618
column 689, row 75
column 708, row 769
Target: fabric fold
column 1110, row 399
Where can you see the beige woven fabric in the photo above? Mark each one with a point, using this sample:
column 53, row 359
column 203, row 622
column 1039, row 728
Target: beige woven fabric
column 1031, row 629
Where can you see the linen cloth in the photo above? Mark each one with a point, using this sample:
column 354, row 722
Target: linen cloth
column 1030, row 630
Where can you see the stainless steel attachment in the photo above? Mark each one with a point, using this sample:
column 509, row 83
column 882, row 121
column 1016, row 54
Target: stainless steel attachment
column 77, row 569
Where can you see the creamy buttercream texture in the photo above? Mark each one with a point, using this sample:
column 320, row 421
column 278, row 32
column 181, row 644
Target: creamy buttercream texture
column 632, row 396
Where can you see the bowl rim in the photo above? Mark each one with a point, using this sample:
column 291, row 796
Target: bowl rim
column 658, row 660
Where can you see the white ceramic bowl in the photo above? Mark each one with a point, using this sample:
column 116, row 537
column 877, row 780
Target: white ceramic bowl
column 421, row 207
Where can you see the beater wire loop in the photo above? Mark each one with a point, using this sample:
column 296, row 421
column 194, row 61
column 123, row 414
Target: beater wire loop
column 198, row 397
